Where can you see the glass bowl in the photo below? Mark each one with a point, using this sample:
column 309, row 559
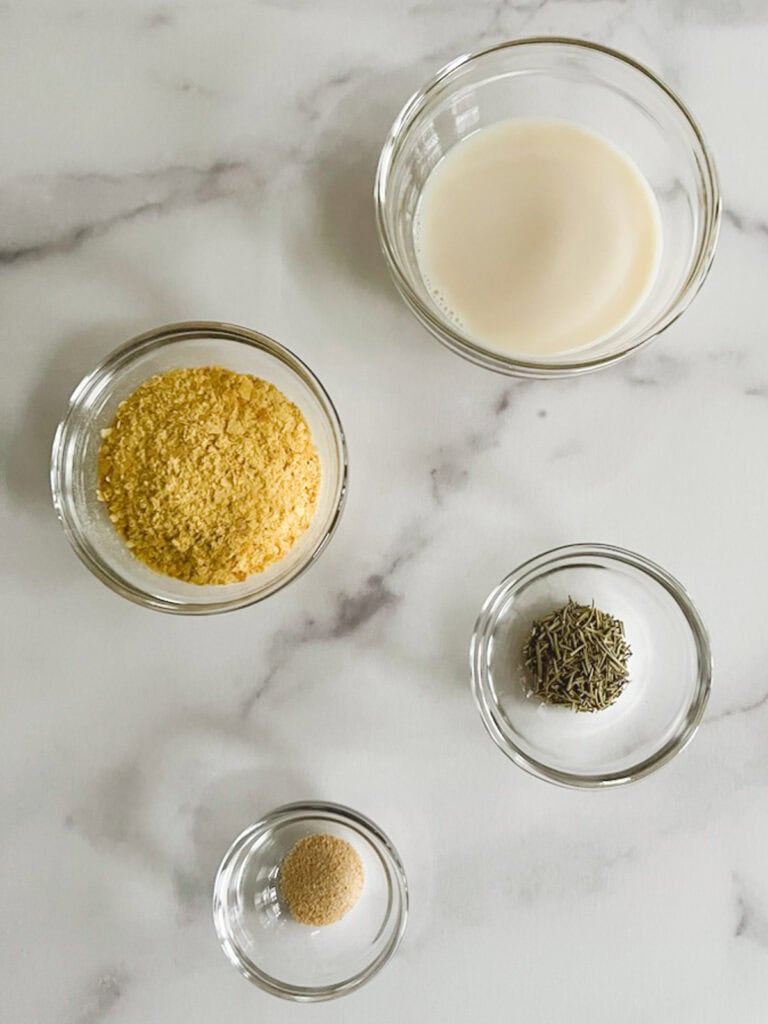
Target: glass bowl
column 293, row 960
column 92, row 407
column 670, row 668
column 556, row 79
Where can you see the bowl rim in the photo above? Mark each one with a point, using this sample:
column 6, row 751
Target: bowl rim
column 117, row 360
column 441, row 328
column 484, row 629
column 325, row 811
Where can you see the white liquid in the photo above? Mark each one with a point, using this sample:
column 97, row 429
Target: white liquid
column 537, row 237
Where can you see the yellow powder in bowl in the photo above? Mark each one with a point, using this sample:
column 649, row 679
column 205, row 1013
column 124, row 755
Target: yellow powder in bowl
column 209, row 475
column 321, row 879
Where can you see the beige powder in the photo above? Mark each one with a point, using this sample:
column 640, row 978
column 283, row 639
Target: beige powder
column 321, row 879
column 209, row 475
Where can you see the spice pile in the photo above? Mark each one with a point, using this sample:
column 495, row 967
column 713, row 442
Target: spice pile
column 321, row 879
column 209, row 475
column 577, row 656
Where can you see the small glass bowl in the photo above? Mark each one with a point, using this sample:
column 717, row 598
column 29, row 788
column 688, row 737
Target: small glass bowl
column 92, row 407
column 555, row 79
column 670, row 668
column 297, row 961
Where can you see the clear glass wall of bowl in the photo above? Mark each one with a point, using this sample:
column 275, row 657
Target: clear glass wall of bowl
column 562, row 80
column 670, row 668
column 74, row 464
column 297, row 961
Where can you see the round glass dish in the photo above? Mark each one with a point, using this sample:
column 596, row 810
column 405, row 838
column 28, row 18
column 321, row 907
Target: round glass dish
column 92, row 407
column 555, row 79
column 670, row 668
column 296, row 961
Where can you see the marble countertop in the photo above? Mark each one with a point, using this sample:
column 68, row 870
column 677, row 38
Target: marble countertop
column 182, row 159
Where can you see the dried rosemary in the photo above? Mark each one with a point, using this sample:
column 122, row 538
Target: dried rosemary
column 577, row 656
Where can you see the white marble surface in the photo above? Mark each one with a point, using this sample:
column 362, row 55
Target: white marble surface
column 190, row 159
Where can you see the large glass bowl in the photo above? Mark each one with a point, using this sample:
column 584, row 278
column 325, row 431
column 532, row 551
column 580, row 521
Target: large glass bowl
column 297, row 961
column 92, row 407
column 670, row 668
column 555, row 79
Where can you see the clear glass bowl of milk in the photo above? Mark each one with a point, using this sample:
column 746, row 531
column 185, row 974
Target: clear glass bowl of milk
column 546, row 206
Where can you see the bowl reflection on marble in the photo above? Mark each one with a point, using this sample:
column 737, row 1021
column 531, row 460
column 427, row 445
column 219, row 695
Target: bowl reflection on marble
column 92, row 407
column 605, row 92
column 670, row 668
column 297, row 961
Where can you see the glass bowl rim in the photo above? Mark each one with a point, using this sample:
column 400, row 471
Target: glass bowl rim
column 442, row 329
column 324, row 810
column 552, row 560
column 101, row 376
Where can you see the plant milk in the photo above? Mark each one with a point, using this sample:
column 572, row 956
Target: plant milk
column 537, row 237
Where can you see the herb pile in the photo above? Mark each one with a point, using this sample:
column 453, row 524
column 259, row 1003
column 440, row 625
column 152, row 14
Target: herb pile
column 577, row 656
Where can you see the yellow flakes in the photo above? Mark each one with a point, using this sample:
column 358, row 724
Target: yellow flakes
column 209, row 475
